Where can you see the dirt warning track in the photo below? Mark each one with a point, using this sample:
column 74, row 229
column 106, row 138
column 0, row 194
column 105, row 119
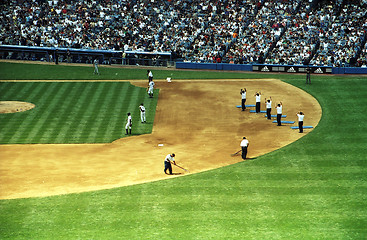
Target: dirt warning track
column 197, row 120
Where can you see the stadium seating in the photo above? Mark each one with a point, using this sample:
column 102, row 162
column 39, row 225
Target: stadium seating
column 316, row 32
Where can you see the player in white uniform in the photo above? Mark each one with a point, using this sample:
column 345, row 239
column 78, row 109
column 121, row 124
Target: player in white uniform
column 150, row 88
column 258, row 100
column 129, row 123
column 142, row 113
column 150, row 75
column 268, row 108
column 244, row 145
column 95, row 63
column 279, row 113
column 300, row 116
column 243, row 98
column 167, row 163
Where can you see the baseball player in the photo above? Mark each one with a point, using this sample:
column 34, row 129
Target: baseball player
column 150, row 75
column 244, row 145
column 268, row 107
column 150, row 88
column 279, row 113
column 167, row 163
column 300, row 116
column 243, row 97
column 95, row 63
column 258, row 100
column 142, row 113
column 129, row 123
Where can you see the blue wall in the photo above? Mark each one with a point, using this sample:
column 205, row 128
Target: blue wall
column 249, row 67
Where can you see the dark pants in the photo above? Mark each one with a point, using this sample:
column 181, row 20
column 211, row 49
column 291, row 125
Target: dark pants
column 268, row 113
column 300, row 126
column 279, row 118
column 257, row 107
column 243, row 104
column 167, row 165
column 244, row 152
column 308, row 79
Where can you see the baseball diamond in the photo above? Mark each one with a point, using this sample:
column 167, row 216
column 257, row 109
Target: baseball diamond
column 70, row 168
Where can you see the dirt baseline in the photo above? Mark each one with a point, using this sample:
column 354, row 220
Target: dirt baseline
column 197, row 120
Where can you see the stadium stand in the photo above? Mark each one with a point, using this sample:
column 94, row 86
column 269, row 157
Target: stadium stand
column 315, row 32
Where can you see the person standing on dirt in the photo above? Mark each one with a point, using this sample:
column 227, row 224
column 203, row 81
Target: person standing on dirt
column 268, row 108
column 243, row 97
column 300, row 116
column 168, row 163
column 142, row 113
column 244, row 145
column 258, row 100
column 129, row 124
column 279, row 113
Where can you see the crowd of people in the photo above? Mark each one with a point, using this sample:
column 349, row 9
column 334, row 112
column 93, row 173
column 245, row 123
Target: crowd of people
column 231, row 31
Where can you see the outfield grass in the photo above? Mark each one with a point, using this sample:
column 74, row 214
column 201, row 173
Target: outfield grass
column 314, row 188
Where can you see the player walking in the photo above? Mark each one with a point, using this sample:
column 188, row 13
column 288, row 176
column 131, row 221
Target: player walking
column 167, row 163
column 150, row 89
column 142, row 113
column 129, row 123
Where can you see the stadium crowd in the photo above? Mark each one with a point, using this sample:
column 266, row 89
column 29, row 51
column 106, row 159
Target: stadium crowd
column 317, row 32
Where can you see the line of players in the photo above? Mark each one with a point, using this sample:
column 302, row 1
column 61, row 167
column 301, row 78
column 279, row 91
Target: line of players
column 245, row 143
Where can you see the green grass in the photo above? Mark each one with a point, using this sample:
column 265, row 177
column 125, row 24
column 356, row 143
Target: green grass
column 314, row 188
column 73, row 112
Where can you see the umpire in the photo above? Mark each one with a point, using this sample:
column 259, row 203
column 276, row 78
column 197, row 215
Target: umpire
column 308, row 75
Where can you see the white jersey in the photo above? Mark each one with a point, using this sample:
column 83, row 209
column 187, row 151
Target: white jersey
column 243, row 95
column 268, row 104
column 151, row 84
column 300, row 117
column 258, row 98
column 244, row 143
column 142, row 108
column 129, row 120
column 169, row 158
column 279, row 109
column 150, row 74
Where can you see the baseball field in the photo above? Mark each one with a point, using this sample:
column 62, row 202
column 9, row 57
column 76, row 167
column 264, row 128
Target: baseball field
column 69, row 172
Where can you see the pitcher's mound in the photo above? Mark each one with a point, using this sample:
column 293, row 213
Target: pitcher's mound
column 15, row 106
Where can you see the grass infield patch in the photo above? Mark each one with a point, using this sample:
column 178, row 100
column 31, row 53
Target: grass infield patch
column 74, row 112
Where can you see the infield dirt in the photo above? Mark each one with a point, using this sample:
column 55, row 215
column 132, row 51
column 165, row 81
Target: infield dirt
column 196, row 120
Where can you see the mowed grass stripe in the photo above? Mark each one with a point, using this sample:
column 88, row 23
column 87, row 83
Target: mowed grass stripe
column 92, row 109
column 53, row 115
column 118, row 129
column 81, row 117
column 50, row 108
column 100, row 120
column 68, row 112
column 117, row 94
column 29, row 123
